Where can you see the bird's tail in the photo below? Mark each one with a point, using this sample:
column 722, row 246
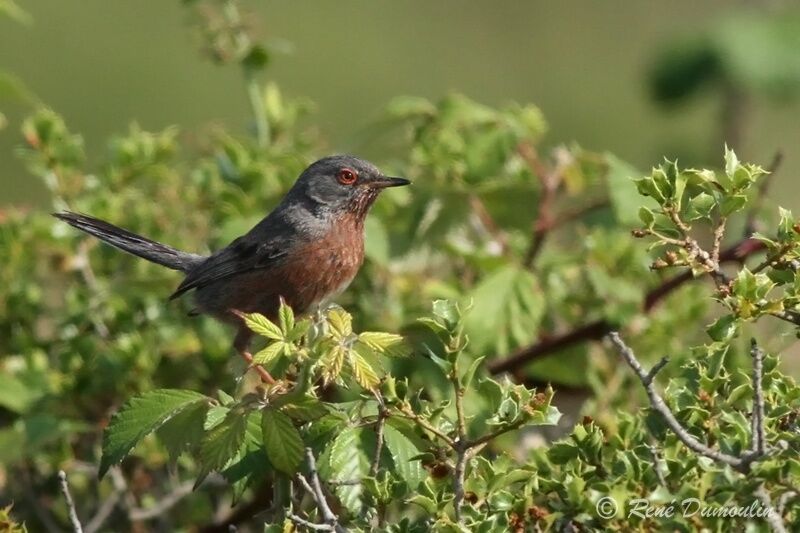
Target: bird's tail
column 130, row 242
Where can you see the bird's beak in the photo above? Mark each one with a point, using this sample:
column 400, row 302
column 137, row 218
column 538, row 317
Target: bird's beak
column 382, row 182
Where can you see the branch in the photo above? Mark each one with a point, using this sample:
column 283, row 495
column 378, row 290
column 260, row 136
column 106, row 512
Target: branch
column 461, row 444
column 658, row 404
column 596, row 330
column 73, row 513
column 310, row 525
column 550, row 179
column 314, row 488
column 165, row 503
column 383, row 414
column 758, row 440
column 772, row 517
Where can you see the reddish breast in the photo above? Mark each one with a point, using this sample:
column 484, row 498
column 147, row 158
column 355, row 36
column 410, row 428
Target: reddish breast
column 325, row 267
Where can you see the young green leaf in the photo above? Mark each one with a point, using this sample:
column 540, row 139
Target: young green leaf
column 341, row 323
column 140, row 416
column 263, row 326
column 388, row 344
column 281, row 440
column 269, row 353
column 363, row 371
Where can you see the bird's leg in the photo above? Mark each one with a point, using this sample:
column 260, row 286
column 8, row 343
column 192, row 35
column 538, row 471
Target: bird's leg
column 241, row 344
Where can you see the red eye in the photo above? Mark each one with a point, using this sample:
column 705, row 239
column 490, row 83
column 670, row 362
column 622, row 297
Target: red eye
column 346, row 176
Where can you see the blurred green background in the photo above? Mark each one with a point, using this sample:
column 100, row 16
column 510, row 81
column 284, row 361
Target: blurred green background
column 106, row 64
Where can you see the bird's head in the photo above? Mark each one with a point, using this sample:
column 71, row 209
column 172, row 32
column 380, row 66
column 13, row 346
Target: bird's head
column 343, row 184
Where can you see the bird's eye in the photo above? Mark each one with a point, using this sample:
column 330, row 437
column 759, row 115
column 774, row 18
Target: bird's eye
column 347, row 176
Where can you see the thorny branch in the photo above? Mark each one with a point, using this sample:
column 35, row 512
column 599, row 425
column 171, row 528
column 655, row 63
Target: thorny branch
column 741, row 463
column 73, row 513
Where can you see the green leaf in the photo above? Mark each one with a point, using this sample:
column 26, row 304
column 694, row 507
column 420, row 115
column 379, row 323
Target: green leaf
column 363, row 371
column 269, row 353
column 647, row 217
column 731, row 162
column 701, row 206
column 388, row 344
column 349, row 458
column 140, row 416
column 17, row 396
column 466, row 380
column 341, row 323
column 447, row 311
column 508, row 307
column 282, row 441
column 262, row 326
column 724, row 328
column 332, row 363
column 732, row 204
column 286, row 317
column 184, row 430
column 306, row 409
column 624, row 198
column 403, row 450
column 222, row 443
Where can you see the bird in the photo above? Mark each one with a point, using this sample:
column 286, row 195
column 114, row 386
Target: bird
column 305, row 252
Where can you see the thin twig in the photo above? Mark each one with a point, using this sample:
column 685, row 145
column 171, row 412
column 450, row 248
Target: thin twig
column 310, row 525
column 773, row 518
column 315, row 489
column 758, row 445
column 165, row 503
column 406, row 412
column 73, row 513
column 383, row 414
column 104, row 512
column 461, row 444
column 458, row 479
column 658, row 404
column 493, row 435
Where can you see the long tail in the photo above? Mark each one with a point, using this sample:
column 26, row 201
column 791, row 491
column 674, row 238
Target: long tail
column 131, row 243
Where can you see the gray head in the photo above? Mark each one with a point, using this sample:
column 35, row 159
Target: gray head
column 342, row 184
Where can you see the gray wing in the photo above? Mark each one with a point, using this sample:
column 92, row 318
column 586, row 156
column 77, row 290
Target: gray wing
column 242, row 255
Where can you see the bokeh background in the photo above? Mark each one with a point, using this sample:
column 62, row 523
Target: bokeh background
column 588, row 65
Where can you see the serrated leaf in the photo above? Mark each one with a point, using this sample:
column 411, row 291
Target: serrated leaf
column 258, row 323
column 332, row 363
column 269, row 353
column 286, row 318
column 140, row 416
column 184, row 430
column 341, row 323
column 306, row 409
column 348, row 458
column 509, row 306
column 363, row 372
column 281, row 440
column 388, row 344
column 403, row 450
column 222, row 443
